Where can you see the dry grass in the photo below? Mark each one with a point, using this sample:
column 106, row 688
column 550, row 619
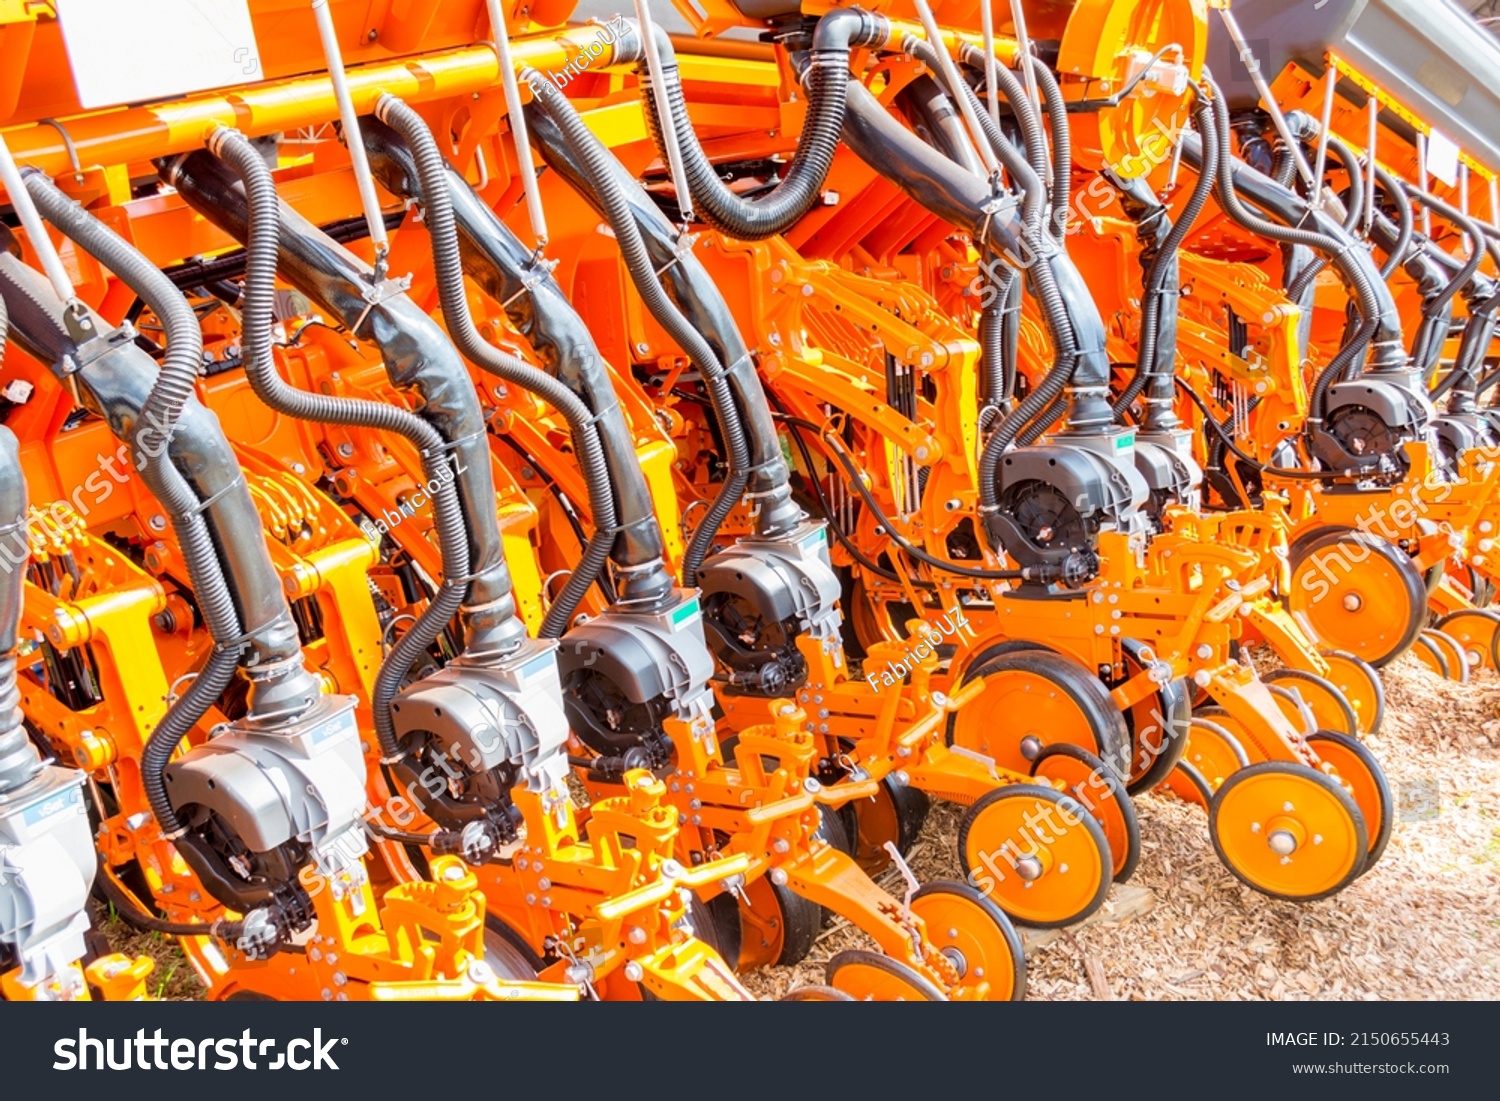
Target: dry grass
column 1423, row 924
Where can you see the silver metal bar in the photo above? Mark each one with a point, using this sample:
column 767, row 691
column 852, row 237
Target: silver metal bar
column 1247, row 56
column 1373, row 110
column 534, row 212
column 36, row 229
column 952, row 78
column 368, row 199
column 991, row 77
column 1023, row 49
column 1422, row 182
column 1330, row 83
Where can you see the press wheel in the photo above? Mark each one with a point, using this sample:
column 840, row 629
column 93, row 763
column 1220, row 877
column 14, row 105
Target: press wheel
column 975, row 936
column 1288, row 831
column 1214, row 751
column 1430, row 654
column 1158, row 726
column 1330, row 710
column 1102, row 796
column 777, row 925
column 1187, row 783
column 871, row 977
column 1033, row 699
column 896, row 813
column 1365, row 780
column 1477, row 630
column 1455, row 655
column 1358, row 593
column 1359, row 683
column 815, row 992
column 1037, row 853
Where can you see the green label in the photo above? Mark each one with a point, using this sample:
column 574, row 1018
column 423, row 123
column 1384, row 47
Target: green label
column 685, row 613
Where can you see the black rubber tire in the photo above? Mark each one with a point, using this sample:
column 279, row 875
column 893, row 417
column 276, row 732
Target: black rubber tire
column 716, row 922
column 1373, row 676
column 1382, row 786
column 1436, row 654
column 1117, row 793
column 1003, row 923
column 1257, row 769
column 1111, row 736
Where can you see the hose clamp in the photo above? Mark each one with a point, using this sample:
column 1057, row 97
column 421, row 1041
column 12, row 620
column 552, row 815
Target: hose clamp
column 539, row 270
column 377, row 291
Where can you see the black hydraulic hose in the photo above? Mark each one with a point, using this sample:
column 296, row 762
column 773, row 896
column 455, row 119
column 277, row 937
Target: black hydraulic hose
column 1029, row 179
column 1470, row 229
column 262, row 241
column 1406, row 223
column 595, row 160
column 1228, row 441
column 856, row 479
column 1381, row 321
column 1033, row 135
column 515, row 276
column 1062, row 145
column 1427, row 269
column 1081, row 364
column 997, row 362
column 432, row 177
column 19, row 759
column 1463, row 378
column 691, row 287
column 158, row 418
column 418, row 357
column 1163, row 282
column 133, row 913
column 934, row 116
column 1350, row 163
column 826, row 78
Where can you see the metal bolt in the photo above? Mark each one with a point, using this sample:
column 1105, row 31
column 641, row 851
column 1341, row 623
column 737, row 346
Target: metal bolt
column 1029, row 868
column 1282, row 843
column 1352, row 602
column 634, row 971
column 1031, row 747
column 158, row 522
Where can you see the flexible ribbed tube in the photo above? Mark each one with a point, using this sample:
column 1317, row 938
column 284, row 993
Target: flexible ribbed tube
column 262, row 246
column 594, row 159
column 1345, row 156
column 1033, row 134
column 1164, row 265
column 442, row 232
column 179, row 370
column 826, row 81
column 1405, row 221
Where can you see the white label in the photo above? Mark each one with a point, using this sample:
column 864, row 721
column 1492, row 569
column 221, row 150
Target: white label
column 126, row 51
column 1442, row 158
